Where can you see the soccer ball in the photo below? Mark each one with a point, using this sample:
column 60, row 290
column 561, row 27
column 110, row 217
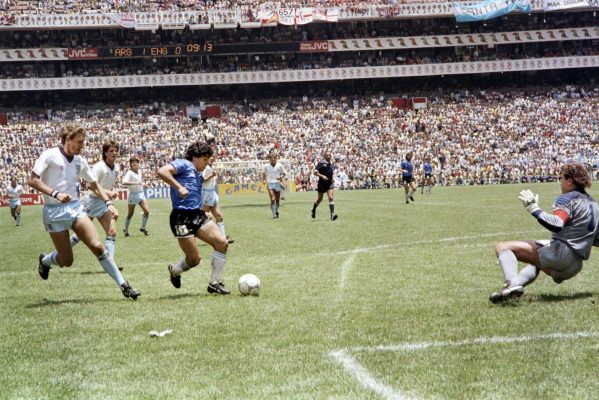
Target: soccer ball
column 249, row 285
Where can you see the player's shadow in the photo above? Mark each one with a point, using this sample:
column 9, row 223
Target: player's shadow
column 179, row 296
column 49, row 303
column 550, row 298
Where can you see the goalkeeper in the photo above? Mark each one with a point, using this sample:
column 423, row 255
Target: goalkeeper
column 573, row 224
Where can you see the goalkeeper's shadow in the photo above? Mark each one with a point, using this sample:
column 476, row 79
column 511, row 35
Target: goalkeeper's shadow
column 551, row 298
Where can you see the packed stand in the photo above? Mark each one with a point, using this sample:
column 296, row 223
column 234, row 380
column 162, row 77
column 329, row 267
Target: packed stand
column 472, row 138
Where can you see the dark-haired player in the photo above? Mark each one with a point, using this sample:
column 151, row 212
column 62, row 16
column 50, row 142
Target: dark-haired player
column 188, row 220
column 324, row 171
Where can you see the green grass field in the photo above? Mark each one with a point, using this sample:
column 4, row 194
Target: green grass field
column 388, row 302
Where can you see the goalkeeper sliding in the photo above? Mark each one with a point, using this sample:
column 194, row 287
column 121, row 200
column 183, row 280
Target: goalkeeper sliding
column 573, row 224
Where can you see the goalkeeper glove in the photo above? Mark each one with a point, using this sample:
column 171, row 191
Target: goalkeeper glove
column 529, row 200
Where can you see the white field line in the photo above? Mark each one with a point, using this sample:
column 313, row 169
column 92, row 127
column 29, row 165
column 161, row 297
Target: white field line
column 418, row 242
column 362, row 375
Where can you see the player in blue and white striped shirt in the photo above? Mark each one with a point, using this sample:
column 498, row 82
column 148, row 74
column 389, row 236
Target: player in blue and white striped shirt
column 573, row 224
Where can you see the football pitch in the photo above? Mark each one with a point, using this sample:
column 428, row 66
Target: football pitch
column 388, row 302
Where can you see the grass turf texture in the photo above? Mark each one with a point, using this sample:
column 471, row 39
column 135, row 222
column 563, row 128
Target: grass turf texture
column 384, row 273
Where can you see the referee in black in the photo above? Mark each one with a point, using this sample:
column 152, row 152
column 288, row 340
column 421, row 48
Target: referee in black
column 324, row 172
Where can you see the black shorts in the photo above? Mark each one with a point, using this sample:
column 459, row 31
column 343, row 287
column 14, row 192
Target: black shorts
column 428, row 175
column 186, row 223
column 407, row 179
column 324, row 186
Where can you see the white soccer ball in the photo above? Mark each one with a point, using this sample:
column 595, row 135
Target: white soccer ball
column 249, row 285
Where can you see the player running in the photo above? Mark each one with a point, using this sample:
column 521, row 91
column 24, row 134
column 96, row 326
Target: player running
column 324, row 171
column 188, row 221
column 56, row 175
column 274, row 176
column 14, row 192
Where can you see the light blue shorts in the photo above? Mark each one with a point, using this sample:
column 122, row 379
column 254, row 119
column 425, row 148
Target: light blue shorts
column 94, row 206
column 276, row 186
column 209, row 198
column 61, row 217
column 136, row 198
column 14, row 203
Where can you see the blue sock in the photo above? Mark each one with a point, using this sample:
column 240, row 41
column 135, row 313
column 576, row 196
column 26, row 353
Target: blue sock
column 110, row 267
column 74, row 240
column 144, row 221
column 110, row 244
column 273, row 208
column 18, row 219
column 127, row 222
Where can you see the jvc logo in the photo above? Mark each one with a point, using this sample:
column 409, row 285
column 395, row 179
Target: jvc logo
column 314, row 46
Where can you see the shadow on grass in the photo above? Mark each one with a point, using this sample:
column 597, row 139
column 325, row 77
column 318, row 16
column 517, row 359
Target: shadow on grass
column 266, row 203
column 181, row 296
column 48, row 302
column 544, row 298
column 91, row 272
column 548, row 298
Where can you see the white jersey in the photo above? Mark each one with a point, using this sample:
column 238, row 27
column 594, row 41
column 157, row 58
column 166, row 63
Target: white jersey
column 208, row 184
column 273, row 174
column 14, row 193
column 134, row 178
column 62, row 175
column 105, row 175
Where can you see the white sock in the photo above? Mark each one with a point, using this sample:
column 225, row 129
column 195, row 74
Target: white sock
column 180, row 267
column 218, row 265
column 527, row 275
column 221, row 226
column 509, row 265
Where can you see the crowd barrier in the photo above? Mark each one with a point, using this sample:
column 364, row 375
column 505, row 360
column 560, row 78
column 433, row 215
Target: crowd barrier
column 162, row 192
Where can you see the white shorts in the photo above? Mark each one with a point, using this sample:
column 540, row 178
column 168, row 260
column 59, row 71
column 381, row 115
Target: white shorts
column 559, row 259
column 209, row 198
column 276, row 186
column 136, row 198
column 61, row 217
column 14, row 203
column 94, row 206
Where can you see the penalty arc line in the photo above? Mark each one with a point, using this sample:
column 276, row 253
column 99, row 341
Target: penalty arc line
column 417, row 242
column 361, row 374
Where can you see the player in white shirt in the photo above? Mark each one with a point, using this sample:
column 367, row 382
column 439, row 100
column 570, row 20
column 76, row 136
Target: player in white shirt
column 56, row 175
column 274, row 175
column 107, row 173
column 14, row 191
column 210, row 200
column 134, row 183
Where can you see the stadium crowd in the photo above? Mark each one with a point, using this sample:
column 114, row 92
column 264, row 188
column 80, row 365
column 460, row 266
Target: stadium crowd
column 88, row 6
column 281, row 33
column 482, row 137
